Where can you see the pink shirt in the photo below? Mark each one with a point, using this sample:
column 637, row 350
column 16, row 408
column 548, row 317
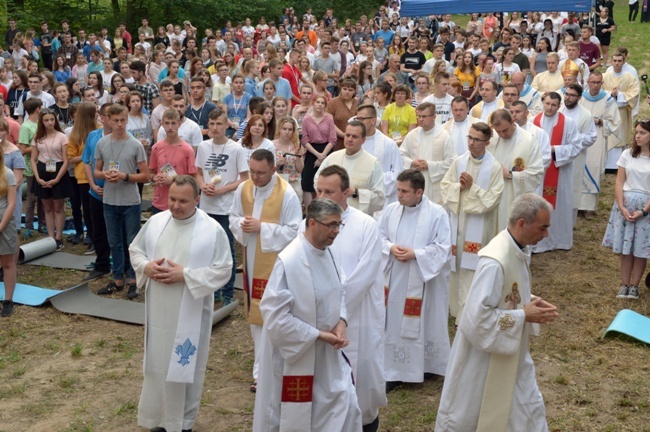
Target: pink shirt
column 180, row 157
column 51, row 147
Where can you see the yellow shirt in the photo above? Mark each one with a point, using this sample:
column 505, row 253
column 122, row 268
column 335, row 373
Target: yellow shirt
column 399, row 119
column 467, row 79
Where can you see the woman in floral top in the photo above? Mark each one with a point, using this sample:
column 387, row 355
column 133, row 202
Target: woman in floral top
column 289, row 153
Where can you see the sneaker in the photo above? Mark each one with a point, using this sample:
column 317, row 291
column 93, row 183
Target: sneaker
column 633, row 293
column 133, row 291
column 7, row 308
column 227, row 301
column 218, row 296
column 623, row 291
column 110, row 289
column 59, row 245
column 95, row 274
column 77, row 239
column 42, row 229
column 90, row 250
column 589, row 215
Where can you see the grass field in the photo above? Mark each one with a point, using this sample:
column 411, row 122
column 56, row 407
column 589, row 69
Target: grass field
column 74, row 373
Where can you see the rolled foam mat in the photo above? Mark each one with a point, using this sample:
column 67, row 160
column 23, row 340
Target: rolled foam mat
column 36, row 249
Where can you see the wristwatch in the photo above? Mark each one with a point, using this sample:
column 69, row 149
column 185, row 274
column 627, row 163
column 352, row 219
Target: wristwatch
column 645, row 213
column 126, row 179
column 356, row 193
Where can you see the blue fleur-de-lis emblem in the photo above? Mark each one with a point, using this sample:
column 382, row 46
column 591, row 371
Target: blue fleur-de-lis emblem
column 186, row 351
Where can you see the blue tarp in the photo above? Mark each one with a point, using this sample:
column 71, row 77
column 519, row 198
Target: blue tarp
column 417, row 8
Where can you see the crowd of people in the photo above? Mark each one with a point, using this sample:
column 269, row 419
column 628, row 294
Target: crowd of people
column 380, row 176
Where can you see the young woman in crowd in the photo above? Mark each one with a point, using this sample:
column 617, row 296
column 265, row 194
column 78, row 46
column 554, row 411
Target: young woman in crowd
column 628, row 230
column 107, row 74
column 366, row 81
column 280, row 107
column 79, row 70
column 84, row 124
column 74, row 90
column 255, row 136
column 96, row 81
column 304, row 107
column 538, row 59
column 423, row 84
column 468, row 75
column 61, row 69
column 49, row 159
column 507, row 67
column 318, row 138
column 288, row 153
column 343, row 108
column 269, row 91
column 266, row 111
column 61, row 107
column 138, row 123
column 14, row 95
column 383, row 95
column 8, row 227
column 304, row 66
column 116, row 83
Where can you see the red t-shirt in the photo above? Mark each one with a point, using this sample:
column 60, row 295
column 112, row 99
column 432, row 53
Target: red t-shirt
column 181, row 158
column 293, row 75
column 589, row 53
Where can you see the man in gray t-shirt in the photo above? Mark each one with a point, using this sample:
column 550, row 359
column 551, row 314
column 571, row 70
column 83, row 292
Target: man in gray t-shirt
column 119, row 156
column 328, row 65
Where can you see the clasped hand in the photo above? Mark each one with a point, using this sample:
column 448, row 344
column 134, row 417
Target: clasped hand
column 336, row 337
column 540, row 311
column 402, row 254
column 169, row 274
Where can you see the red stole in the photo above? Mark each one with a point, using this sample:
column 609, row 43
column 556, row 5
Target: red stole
column 549, row 192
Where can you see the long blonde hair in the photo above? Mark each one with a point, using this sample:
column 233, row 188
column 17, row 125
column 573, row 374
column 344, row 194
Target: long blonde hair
column 85, row 122
column 295, row 139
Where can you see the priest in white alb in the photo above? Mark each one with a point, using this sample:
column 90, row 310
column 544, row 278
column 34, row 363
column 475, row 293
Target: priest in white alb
column 383, row 148
column 305, row 382
column 471, row 192
column 179, row 260
column 558, row 179
column 490, row 384
column 520, row 114
column 264, row 218
column 428, row 148
column 489, row 102
column 459, row 124
column 607, row 119
column 367, row 176
column 357, row 250
column 416, row 244
column 527, row 94
column 551, row 79
column 624, row 88
column 521, row 160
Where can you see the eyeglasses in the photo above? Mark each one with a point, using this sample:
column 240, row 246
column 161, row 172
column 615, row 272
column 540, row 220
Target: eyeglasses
column 573, row 95
column 331, row 225
column 472, row 139
column 47, row 111
column 595, row 82
column 642, row 122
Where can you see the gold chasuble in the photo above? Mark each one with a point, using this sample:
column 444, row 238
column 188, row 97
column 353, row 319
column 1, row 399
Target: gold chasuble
column 264, row 262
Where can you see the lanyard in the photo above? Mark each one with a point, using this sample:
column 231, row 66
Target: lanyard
column 193, row 112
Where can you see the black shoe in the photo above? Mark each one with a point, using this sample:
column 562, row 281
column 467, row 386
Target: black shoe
column 77, row 239
column 90, row 250
column 87, row 240
column 59, row 245
column 392, row 385
column 42, row 229
column 133, row 291
column 110, row 289
column 7, row 308
column 96, row 274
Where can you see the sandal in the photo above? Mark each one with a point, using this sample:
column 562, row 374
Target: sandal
column 253, row 387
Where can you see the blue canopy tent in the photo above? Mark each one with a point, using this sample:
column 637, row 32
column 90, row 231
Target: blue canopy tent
column 416, row 8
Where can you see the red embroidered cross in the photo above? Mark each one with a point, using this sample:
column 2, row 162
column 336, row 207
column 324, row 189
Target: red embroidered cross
column 471, row 247
column 297, row 388
column 258, row 288
column 412, row 307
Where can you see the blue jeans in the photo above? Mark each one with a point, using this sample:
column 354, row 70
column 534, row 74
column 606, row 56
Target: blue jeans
column 228, row 290
column 122, row 225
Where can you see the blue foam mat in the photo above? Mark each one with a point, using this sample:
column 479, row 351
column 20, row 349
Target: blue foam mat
column 65, row 231
column 30, row 295
column 631, row 324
